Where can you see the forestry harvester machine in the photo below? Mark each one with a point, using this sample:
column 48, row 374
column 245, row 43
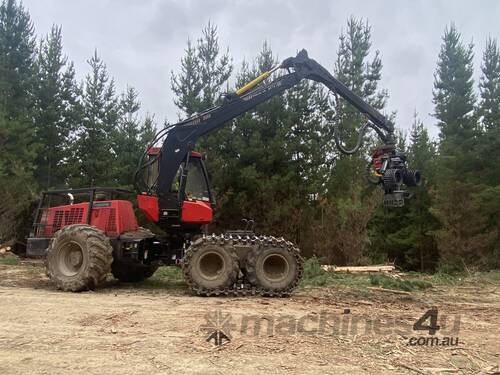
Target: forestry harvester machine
column 86, row 233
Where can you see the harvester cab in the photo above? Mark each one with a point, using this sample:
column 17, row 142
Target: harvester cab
column 189, row 201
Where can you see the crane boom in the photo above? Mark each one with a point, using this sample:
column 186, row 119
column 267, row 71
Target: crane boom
column 181, row 137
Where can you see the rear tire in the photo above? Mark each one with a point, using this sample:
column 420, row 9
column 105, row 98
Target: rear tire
column 130, row 271
column 275, row 267
column 78, row 258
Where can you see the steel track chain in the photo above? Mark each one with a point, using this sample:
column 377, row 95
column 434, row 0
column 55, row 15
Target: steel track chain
column 241, row 289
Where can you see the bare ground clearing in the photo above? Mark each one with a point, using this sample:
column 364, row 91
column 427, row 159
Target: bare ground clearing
column 157, row 328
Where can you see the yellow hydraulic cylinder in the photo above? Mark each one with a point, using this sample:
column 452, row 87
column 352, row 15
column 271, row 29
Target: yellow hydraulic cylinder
column 257, row 80
column 253, row 83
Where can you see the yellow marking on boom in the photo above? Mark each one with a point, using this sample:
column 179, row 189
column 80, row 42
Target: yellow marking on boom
column 253, row 83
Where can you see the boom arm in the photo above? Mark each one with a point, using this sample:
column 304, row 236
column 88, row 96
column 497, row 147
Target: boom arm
column 182, row 137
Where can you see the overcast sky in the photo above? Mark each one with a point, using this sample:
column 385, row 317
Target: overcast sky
column 143, row 41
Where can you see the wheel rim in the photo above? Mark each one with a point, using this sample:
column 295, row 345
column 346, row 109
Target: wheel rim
column 211, row 265
column 70, row 258
column 275, row 267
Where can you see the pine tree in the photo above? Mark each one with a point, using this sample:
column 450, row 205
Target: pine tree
column 489, row 144
column 310, row 150
column 132, row 137
column 466, row 237
column 17, row 52
column 18, row 146
column 489, row 110
column 353, row 68
column 489, row 86
column 96, row 154
column 308, row 138
column 148, row 130
column 127, row 142
column 346, row 185
column 422, row 150
column 58, row 110
column 204, row 72
column 187, row 85
column 454, row 101
column 215, row 67
column 453, row 86
column 361, row 76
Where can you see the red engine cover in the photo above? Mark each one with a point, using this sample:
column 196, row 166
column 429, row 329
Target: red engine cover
column 149, row 207
column 196, row 212
column 112, row 217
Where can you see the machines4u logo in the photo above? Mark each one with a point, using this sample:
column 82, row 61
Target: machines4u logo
column 429, row 322
column 218, row 327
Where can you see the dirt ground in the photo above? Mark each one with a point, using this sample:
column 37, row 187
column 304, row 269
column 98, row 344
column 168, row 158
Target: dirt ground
column 122, row 329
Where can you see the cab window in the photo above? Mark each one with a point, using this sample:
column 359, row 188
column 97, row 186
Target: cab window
column 196, row 184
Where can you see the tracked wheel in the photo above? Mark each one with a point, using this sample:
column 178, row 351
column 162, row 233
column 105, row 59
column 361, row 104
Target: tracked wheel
column 130, row 271
column 78, row 258
column 412, row 177
column 209, row 267
column 275, row 267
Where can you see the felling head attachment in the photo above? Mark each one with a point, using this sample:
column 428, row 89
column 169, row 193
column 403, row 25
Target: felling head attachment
column 388, row 168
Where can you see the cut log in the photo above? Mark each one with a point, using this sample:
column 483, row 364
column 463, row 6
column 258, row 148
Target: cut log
column 4, row 250
column 379, row 268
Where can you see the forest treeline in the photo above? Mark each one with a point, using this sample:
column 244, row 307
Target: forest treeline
column 277, row 165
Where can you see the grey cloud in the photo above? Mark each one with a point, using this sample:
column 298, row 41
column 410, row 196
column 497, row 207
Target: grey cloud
column 142, row 41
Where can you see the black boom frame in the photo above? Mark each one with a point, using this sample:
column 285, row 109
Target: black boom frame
column 181, row 137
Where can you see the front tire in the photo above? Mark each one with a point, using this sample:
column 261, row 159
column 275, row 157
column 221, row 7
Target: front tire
column 78, row 258
column 207, row 266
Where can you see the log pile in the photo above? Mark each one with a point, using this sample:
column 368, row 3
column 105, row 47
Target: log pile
column 6, row 247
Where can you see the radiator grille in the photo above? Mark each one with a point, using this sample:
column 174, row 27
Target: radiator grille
column 111, row 224
column 67, row 217
column 73, row 216
column 58, row 217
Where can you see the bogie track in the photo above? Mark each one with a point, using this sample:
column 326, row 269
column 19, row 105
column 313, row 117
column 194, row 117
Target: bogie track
column 244, row 250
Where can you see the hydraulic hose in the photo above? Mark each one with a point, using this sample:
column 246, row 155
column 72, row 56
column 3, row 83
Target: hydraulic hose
column 359, row 142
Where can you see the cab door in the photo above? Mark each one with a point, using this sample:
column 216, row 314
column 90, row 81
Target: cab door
column 195, row 195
